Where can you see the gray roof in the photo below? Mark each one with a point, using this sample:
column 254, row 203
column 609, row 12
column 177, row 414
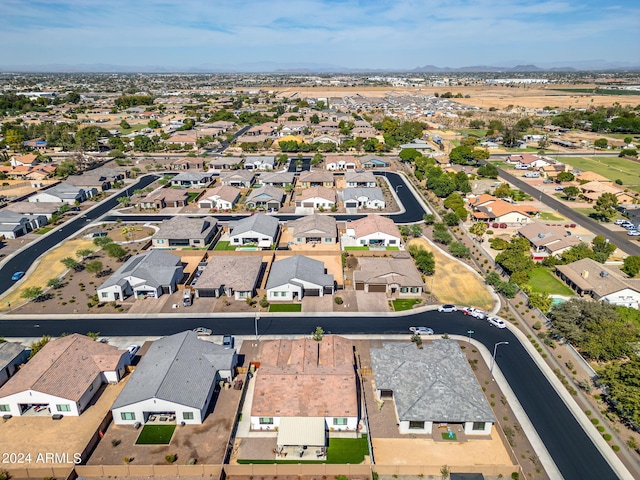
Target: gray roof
column 191, row 177
column 277, row 177
column 180, row 227
column 64, row 190
column 433, row 384
column 156, row 267
column 238, row 273
column 259, row 222
column 14, row 218
column 359, row 176
column 180, row 368
column 314, row 225
column 34, row 207
column 8, row 352
column 298, row 267
column 238, row 175
column 371, row 193
column 266, row 192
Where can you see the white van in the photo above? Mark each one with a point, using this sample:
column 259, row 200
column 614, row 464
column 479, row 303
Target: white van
column 531, row 174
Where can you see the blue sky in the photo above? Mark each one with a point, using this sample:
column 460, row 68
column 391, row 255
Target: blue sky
column 392, row 34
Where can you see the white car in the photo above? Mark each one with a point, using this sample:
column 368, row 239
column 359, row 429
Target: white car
column 421, row 330
column 497, row 322
column 133, row 349
column 634, row 233
column 203, row 331
column 475, row 312
column 447, row 308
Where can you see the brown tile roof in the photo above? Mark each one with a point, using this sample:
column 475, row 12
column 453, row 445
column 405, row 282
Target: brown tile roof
column 27, row 159
column 305, row 378
column 374, row 223
column 588, row 275
column 591, row 176
column 166, row 194
column 320, row 192
column 65, row 367
column 386, row 271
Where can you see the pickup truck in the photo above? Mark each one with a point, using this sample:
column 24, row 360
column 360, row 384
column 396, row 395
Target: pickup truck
column 475, row 312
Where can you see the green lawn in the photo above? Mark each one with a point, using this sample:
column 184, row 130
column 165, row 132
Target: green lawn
column 134, row 128
column 476, row 132
column 393, row 249
column 613, row 168
column 551, row 217
column 224, row 245
column 285, row 307
column 405, row 303
column 191, row 196
column 445, row 436
column 155, row 435
column 44, row 230
column 542, row 280
column 347, row 450
column 357, row 248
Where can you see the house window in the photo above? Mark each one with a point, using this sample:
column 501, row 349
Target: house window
column 127, row 415
column 404, row 289
column 104, row 294
column 339, row 421
column 187, row 415
column 275, row 294
column 478, row 426
column 363, row 242
column 91, row 387
column 328, row 239
column 392, row 242
column 5, row 408
column 266, row 420
column 160, row 241
column 414, row 289
column 416, row 425
column 63, row 408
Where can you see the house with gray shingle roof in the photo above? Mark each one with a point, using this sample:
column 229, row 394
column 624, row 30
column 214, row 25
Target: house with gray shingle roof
column 174, row 381
column 148, row 274
column 192, row 179
column 181, row 231
column 235, row 277
column 257, row 230
column 12, row 354
column 277, row 179
column 238, row 178
column 297, row 276
column 444, row 393
column 64, row 192
column 360, row 178
column 357, row 197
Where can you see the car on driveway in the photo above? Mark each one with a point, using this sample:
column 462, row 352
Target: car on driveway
column 227, row 341
column 559, row 189
column 133, row 349
column 497, row 322
column 447, row 308
column 17, row 276
column 634, row 233
column 203, row 331
column 475, row 312
column 421, row 330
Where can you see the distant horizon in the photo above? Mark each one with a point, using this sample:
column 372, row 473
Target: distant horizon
column 376, row 35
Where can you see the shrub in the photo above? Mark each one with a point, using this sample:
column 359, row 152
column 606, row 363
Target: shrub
column 600, row 428
column 607, row 437
column 171, row 458
column 537, row 325
column 595, row 421
column 615, row 448
column 338, row 300
column 115, row 442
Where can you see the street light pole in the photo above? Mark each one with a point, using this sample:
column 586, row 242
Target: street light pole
column 493, row 359
column 397, row 187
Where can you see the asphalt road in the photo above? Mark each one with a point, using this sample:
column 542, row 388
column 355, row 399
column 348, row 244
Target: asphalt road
column 621, row 239
column 23, row 260
column 572, row 450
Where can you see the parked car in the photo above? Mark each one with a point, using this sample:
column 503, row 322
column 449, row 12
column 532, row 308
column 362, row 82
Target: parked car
column 559, row 189
column 421, row 330
column 497, row 322
column 447, row 308
column 203, row 331
column 227, row 341
column 475, row 312
column 133, row 349
column 621, row 221
column 633, row 233
column 17, row 276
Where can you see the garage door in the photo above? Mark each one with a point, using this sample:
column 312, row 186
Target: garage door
column 206, row 292
column 307, row 204
column 166, row 290
column 377, row 288
column 311, row 292
column 359, row 286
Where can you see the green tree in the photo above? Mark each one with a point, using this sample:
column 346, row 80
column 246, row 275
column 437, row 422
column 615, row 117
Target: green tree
column 601, row 143
column 566, row 177
column 462, row 182
column 153, row 123
column 124, row 125
column 441, row 185
column 478, row 229
column 317, row 334
column 429, row 218
column 32, row 293
column 425, row 261
column 488, row 170
column 631, row 265
column 621, row 379
column 571, row 192
column 441, row 234
column 502, row 191
column 453, row 201
column 93, row 335
column 451, row 219
column 628, row 152
column 70, row 263
column 14, row 138
column 94, row 267
column 416, row 230
column 606, row 205
column 541, row 301
column 409, row 155
column 66, row 168
column 462, row 155
column 476, row 124
column 84, row 253
column 142, row 143
column 577, row 252
column 458, row 250
column 38, row 345
column 54, row 283
column 102, row 241
column 115, row 251
column 602, row 249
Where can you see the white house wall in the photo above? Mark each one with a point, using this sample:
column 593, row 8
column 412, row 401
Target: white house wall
column 33, row 397
column 468, row 429
column 287, row 289
column 141, row 411
column 403, row 427
column 366, row 240
column 624, row 298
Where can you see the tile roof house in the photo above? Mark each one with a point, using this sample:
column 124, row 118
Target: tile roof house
column 524, row 161
column 64, row 192
column 12, row 354
column 490, row 209
column 297, row 276
column 396, row 276
column 235, row 277
column 372, row 161
column 547, row 239
column 165, row 197
column 589, row 278
column 316, row 197
column 192, row 179
column 188, row 163
column 238, row 178
column 318, row 178
column 222, row 197
column 181, row 231
column 363, row 198
column 265, row 197
column 592, row 191
column 277, row 179
column 90, row 180
column 224, row 163
column 63, row 377
column 148, row 274
column 591, row 177
column 304, row 379
column 445, row 392
column 359, row 178
column 29, row 159
column 257, row 230
column 175, row 379
column 341, row 162
column 374, row 231
column 314, row 229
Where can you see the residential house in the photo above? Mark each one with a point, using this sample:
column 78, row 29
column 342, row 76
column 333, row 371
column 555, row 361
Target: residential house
column 12, row 355
column 372, row 161
column 63, row 377
column 589, row 278
column 314, row 229
column 257, row 230
column 28, row 160
column 174, row 381
column 306, row 390
column 259, row 163
column 396, row 276
column 31, row 209
column 222, row 197
column 39, row 145
column 418, row 144
column 192, row 179
column 266, row 197
column 297, row 276
column 591, row 191
column 547, row 239
column 235, row 277
column 316, row 197
column 277, row 179
column 374, row 231
column 363, row 198
column 238, row 178
column 490, row 209
column 13, row 225
column 90, row 179
column 64, row 192
column 181, row 231
column 552, row 171
column 524, row 161
column 165, row 197
column 445, row 392
column 188, row 163
column 225, row 163
column 341, row 162
column 149, row 274
column 316, row 178
column 186, row 137
column 585, row 177
column 360, row 178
